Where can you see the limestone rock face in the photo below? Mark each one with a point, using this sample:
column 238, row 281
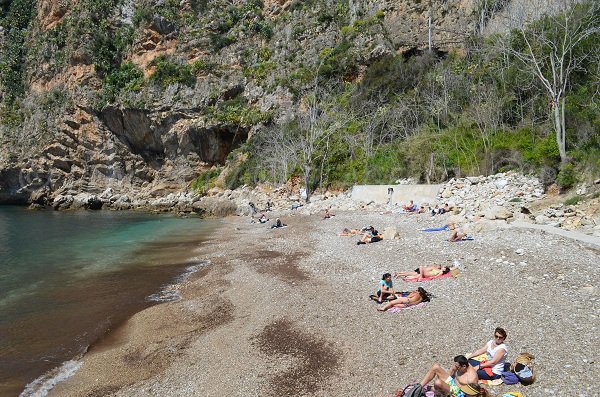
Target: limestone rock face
column 167, row 134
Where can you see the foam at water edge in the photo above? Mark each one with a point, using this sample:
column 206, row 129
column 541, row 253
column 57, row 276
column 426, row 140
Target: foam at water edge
column 170, row 293
column 42, row 385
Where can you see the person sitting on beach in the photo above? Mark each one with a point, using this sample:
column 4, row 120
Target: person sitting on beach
column 458, row 235
column 328, row 214
column 460, row 381
column 421, row 210
column 296, row 205
column 410, row 207
column 414, row 297
column 424, row 272
column 349, row 232
column 370, row 236
column 437, row 210
column 278, row 224
column 496, row 351
column 386, row 289
column 263, row 218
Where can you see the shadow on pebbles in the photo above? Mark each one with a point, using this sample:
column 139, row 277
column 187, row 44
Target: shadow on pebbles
column 314, row 359
column 280, row 265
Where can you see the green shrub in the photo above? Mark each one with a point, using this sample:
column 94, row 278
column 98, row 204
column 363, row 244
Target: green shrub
column 574, row 200
column 125, row 79
column 205, row 181
column 169, row 72
column 237, row 111
column 515, row 200
column 263, row 28
column 13, row 50
column 566, row 176
column 218, row 41
column 204, row 66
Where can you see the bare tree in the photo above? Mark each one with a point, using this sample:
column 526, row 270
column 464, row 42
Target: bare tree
column 486, row 110
column 552, row 49
column 277, row 151
column 316, row 119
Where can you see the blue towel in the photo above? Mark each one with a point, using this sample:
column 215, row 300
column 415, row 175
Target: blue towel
column 436, row 229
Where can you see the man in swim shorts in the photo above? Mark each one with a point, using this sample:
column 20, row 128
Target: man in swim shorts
column 459, row 381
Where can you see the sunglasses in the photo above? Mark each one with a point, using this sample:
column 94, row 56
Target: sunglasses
column 499, row 336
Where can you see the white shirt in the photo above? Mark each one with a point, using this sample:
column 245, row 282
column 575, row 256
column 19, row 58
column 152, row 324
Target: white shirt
column 499, row 367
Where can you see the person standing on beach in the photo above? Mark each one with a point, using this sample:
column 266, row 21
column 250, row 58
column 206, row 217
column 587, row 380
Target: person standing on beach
column 390, row 194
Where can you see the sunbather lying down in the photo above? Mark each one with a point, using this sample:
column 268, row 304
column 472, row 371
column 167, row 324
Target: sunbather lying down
column 349, row 232
column 457, row 235
column 424, row 272
column 414, row 297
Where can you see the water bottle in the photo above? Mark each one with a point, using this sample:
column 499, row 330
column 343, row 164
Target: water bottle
column 458, row 265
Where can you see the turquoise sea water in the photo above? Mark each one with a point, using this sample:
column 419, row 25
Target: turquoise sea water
column 66, row 278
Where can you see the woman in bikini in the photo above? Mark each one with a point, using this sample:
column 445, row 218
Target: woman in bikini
column 414, row 297
column 424, row 272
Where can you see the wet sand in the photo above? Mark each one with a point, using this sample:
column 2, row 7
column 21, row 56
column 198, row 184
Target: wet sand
column 285, row 312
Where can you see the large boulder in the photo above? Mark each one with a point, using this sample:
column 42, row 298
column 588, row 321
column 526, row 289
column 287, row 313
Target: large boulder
column 390, row 233
column 498, row 213
column 213, row 206
column 456, row 219
column 87, row 201
column 62, row 202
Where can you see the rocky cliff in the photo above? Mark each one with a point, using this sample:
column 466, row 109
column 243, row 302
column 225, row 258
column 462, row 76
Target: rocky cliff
column 140, row 96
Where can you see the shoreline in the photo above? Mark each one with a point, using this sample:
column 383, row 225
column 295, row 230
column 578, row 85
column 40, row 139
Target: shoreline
column 286, row 312
column 148, row 271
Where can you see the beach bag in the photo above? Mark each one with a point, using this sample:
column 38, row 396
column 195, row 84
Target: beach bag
column 524, row 368
column 509, row 378
column 415, row 390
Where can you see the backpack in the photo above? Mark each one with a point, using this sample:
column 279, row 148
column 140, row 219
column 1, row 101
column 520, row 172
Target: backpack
column 524, row 369
column 415, row 390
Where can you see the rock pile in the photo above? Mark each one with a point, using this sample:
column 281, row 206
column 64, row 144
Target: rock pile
column 510, row 195
column 493, row 197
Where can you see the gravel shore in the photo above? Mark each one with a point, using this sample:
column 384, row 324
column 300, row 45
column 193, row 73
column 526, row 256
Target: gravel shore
column 285, row 313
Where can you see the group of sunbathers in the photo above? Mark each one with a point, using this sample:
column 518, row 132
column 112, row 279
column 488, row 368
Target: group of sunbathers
column 461, row 380
column 387, row 293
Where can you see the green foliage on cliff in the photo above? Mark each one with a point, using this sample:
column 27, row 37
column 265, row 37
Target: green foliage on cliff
column 205, row 180
column 168, row 71
column 12, row 53
column 237, row 112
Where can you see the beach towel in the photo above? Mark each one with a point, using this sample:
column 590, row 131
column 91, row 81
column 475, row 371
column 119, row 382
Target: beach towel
column 436, row 229
column 405, row 306
column 494, row 382
column 422, row 279
column 468, row 237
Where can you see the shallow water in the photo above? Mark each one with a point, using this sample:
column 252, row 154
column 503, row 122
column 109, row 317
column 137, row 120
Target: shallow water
column 66, row 278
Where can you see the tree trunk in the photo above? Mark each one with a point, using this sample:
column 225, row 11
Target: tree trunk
column 559, row 125
column 307, row 182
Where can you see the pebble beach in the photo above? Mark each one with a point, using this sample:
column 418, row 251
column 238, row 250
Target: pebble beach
column 286, row 312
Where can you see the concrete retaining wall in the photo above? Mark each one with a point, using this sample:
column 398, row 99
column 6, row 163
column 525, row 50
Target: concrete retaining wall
column 402, row 193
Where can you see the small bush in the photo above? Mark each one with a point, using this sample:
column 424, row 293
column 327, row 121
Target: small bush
column 574, row 200
column 566, row 176
column 515, row 200
column 168, row 72
column 127, row 78
column 205, row 181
